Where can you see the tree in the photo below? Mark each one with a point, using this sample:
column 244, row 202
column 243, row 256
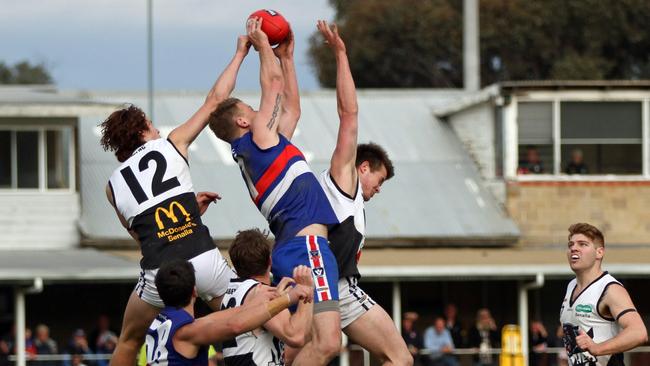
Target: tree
column 395, row 43
column 24, row 73
column 418, row 43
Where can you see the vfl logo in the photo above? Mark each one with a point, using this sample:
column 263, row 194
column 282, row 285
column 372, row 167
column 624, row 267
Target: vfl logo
column 170, row 214
column 318, row 271
column 314, row 253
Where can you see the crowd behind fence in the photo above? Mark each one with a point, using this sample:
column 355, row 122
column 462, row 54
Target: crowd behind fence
column 442, row 343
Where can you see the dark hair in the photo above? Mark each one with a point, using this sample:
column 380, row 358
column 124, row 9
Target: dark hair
column 376, row 156
column 589, row 231
column 121, row 131
column 222, row 120
column 175, row 282
column 250, row 253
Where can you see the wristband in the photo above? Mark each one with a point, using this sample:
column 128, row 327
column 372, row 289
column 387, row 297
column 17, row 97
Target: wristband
column 277, row 305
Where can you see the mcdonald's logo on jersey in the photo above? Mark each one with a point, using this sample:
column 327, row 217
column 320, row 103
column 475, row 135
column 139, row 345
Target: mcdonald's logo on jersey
column 171, row 214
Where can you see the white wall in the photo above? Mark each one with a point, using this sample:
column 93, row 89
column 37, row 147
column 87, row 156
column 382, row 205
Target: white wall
column 474, row 127
column 39, row 220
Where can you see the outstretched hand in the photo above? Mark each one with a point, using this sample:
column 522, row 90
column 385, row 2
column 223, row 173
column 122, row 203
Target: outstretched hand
column 204, row 199
column 255, row 33
column 243, row 45
column 331, row 35
column 285, row 49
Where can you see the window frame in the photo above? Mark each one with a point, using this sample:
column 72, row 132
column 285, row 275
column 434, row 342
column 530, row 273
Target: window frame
column 42, row 158
column 511, row 137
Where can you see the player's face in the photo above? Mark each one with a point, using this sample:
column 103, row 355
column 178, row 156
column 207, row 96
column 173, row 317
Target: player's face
column 371, row 181
column 582, row 253
column 151, row 133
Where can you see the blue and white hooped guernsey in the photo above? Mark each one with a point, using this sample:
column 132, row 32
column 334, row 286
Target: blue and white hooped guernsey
column 282, row 186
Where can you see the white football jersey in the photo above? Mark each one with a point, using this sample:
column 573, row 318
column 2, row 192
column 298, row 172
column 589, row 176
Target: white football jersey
column 154, row 173
column 154, row 193
column 347, row 238
column 582, row 313
column 257, row 347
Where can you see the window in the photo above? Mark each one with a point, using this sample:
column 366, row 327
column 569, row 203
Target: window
column 38, row 158
column 58, row 158
column 535, row 136
column 5, row 159
column 571, row 137
column 601, row 137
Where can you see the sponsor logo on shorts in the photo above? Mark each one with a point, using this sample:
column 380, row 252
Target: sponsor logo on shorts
column 319, row 271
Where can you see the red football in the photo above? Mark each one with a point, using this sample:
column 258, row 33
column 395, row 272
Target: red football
column 273, row 24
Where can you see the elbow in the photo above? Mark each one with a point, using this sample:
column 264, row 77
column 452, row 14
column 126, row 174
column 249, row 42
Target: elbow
column 349, row 112
column 295, row 341
column 273, row 83
column 276, row 81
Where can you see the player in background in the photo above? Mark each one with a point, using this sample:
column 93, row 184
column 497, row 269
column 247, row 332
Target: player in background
column 154, row 199
column 355, row 175
column 175, row 338
column 599, row 319
column 284, row 188
column 250, row 254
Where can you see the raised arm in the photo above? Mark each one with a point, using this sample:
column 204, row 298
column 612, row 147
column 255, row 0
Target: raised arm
column 293, row 329
column 183, row 135
column 633, row 333
column 265, row 124
column 291, row 103
column 342, row 165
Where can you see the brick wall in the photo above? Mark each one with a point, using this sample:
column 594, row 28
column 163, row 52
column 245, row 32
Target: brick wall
column 544, row 210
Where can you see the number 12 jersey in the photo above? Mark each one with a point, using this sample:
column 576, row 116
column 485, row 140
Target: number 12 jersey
column 153, row 191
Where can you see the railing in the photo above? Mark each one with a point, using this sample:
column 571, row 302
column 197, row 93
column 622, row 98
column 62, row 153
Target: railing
column 463, row 352
column 355, row 348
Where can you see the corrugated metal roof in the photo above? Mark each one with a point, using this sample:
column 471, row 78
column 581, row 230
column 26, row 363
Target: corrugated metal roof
column 436, row 193
column 42, row 95
column 72, row 265
column 575, row 84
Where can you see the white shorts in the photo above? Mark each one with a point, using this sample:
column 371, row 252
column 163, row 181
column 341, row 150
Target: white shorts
column 353, row 301
column 212, row 273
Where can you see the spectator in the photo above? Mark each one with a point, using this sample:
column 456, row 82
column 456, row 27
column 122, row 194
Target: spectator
column 437, row 340
column 532, row 164
column 538, row 344
column 484, row 336
column 78, row 345
column 456, row 331
column 45, row 345
column 77, row 360
column 411, row 337
column 103, row 340
column 576, row 165
column 6, row 347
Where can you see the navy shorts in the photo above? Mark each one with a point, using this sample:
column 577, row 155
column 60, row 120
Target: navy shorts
column 314, row 252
